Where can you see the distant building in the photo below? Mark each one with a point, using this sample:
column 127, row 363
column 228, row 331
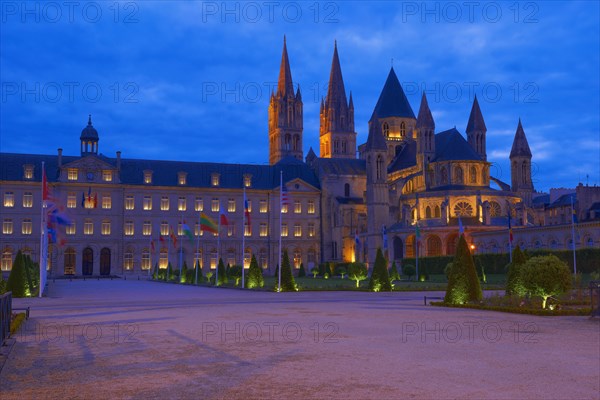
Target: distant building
column 406, row 180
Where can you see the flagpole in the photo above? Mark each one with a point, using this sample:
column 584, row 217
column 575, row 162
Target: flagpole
column 218, row 246
column 509, row 237
column 417, row 235
column 243, row 237
column 280, row 215
column 181, row 251
column 573, row 237
column 43, row 234
column 198, row 247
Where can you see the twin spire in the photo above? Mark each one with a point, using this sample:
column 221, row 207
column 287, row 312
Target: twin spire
column 285, row 87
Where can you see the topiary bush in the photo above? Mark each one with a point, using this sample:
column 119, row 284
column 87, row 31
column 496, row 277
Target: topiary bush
column 357, row 271
column 463, row 283
column 394, row 275
column 514, row 283
column 380, row 279
column 301, row 271
column 545, row 276
column 288, row 284
column 17, row 280
column 341, row 270
column 235, row 273
column 254, row 279
column 314, row 271
column 221, row 274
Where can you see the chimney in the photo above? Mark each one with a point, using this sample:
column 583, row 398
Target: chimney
column 59, row 158
column 118, row 161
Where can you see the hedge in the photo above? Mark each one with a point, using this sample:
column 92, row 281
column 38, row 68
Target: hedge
column 517, row 310
column 588, row 260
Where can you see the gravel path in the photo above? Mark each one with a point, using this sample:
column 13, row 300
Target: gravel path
column 145, row 340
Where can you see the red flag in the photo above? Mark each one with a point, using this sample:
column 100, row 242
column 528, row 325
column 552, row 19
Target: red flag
column 173, row 237
column 45, row 191
column 246, row 209
column 161, row 238
column 152, row 249
column 96, row 200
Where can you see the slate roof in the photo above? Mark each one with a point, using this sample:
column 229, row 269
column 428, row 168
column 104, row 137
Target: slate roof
column 406, row 158
column 541, row 200
column 165, row 173
column 565, row 200
column 451, row 145
column 392, row 101
column 341, row 166
column 520, row 145
column 375, row 140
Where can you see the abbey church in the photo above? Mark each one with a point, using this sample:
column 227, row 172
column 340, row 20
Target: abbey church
column 409, row 189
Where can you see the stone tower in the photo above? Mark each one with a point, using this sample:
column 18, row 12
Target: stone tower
column 425, row 127
column 285, row 116
column 520, row 166
column 337, row 136
column 476, row 130
column 378, row 209
column 89, row 139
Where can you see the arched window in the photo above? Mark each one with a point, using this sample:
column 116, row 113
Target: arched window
column 436, row 213
column 427, row 212
column 347, row 190
column 296, row 142
column 386, row 129
column 7, row 259
column 70, row 256
column 458, row 175
column 434, row 246
column 379, row 167
column 402, row 130
column 473, row 174
column 444, row 176
column 287, row 142
column 262, row 258
column 297, row 258
column 524, row 172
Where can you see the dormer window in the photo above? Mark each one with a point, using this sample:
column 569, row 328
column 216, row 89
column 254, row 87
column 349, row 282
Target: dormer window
column 147, row 177
column 28, row 171
column 182, row 178
column 215, row 179
column 72, row 174
column 247, row 180
column 107, row 176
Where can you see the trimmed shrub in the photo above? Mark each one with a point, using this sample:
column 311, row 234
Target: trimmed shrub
column 341, row 270
column 463, row 283
column 254, row 279
column 301, row 271
column 288, row 284
column 380, row 279
column 197, row 273
column 222, row 278
column 357, row 271
column 514, row 284
column 235, row 272
column 17, row 280
column 408, row 270
column 314, row 271
column 545, row 276
column 394, row 275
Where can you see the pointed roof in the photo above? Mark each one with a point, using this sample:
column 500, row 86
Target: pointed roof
column 476, row 122
column 425, row 119
column 520, row 146
column 451, row 145
column 336, row 92
column 284, row 84
column 392, row 100
column 89, row 132
column 350, row 102
column 375, row 140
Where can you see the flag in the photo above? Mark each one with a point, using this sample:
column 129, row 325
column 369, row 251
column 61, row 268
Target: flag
column 246, row 210
column 152, row 249
column 285, row 198
column 59, row 217
column 96, row 200
column 173, row 237
column 45, row 190
column 417, row 232
column 51, row 235
column 187, row 231
column 82, row 199
column 89, row 197
column 223, row 216
column 161, row 238
column 385, row 241
column 461, row 229
column 207, row 224
column 356, row 238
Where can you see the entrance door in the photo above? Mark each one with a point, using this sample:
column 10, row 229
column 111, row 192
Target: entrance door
column 70, row 261
column 105, row 261
column 87, row 267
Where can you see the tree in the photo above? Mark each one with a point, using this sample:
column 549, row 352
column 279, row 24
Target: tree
column 545, row 276
column 235, row 272
column 254, row 279
column 17, row 280
column 394, row 275
column 288, row 284
column 409, row 270
column 198, row 273
column 341, row 270
column 301, row 271
column 357, row 271
column 221, row 274
column 514, row 283
column 314, row 271
column 463, row 282
column 380, row 279
column 184, row 270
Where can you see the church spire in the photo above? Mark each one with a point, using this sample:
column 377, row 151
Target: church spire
column 520, row 146
column 520, row 166
column 476, row 130
column 336, row 93
column 425, row 119
column 284, row 84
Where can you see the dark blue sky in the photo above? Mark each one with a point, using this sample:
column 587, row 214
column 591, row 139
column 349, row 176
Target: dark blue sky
column 191, row 80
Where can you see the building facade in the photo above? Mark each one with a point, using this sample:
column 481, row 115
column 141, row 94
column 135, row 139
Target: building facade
column 409, row 189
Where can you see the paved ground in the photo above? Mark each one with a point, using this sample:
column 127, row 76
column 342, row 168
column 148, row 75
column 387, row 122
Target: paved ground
column 140, row 340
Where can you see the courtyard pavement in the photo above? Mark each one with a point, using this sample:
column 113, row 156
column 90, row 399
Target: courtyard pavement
column 146, row 340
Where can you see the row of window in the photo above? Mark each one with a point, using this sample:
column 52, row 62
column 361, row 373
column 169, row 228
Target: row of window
column 91, row 201
column 165, row 228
